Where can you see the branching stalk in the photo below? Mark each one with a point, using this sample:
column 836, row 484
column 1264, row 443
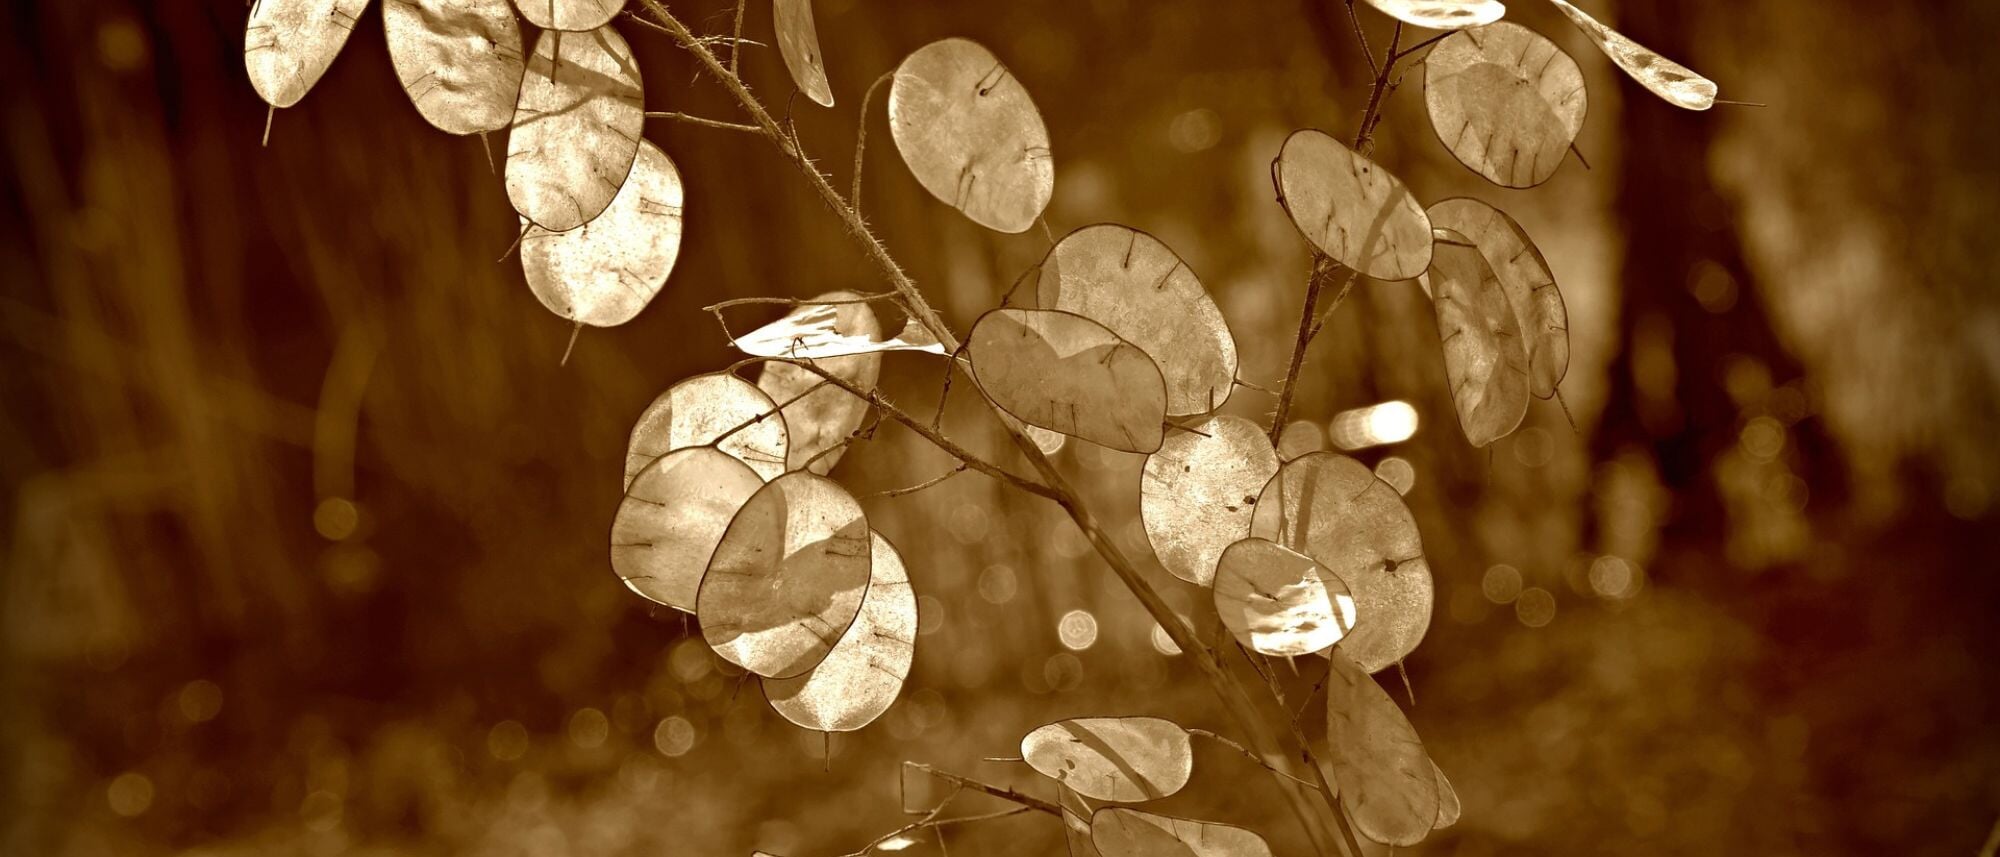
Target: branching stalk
column 1235, row 700
column 1001, row 792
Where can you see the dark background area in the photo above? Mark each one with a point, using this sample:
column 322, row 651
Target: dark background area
column 305, row 527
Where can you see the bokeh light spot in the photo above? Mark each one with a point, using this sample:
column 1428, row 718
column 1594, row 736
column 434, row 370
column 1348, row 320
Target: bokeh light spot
column 997, row 584
column 507, row 740
column 1536, row 607
column 1375, row 425
column 1078, row 630
column 200, row 700
column 1063, row 671
column 335, row 518
column 674, row 737
column 588, row 728
column 1398, row 472
column 130, row 794
column 1501, row 584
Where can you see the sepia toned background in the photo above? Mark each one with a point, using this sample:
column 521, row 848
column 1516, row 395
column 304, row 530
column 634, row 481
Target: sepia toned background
column 305, row 526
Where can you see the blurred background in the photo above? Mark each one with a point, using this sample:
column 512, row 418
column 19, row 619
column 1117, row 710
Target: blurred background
column 305, row 528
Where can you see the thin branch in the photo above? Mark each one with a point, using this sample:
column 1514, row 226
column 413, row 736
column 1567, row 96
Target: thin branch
column 736, row 37
column 1306, row 315
column 865, row 432
column 875, row 399
column 861, row 137
column 1001, row 792
column 912, row 489
column 1423, row 44
column 1251, row 756
column 1362, row 37
column 798, row 302
column 937, row 824
column 1253, row 386
column 1339, row 297
column 1377, row 92
column 764, row 416
column 703, row 121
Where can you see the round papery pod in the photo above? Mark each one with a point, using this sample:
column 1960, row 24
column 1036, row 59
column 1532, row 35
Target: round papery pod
column 576, row 128
column 1076, row 813
column 1121, row 759
column 697, row 411
column 865, row 672
column 1526, row 278
column 1351, row 209
column 1485, row 358
column 1386, row 778
column 1135, row 285
column 570, row 15
column 1120, row 832
column 823, row 418
column 798, row 41
column 1063, row 372
column 1507, row 102
column 604, row 272
column 1279, row 602
column 787, row 578
column 1197, row 493
column 672, row 517
column 288, row 44
column 1333, row 509
column 459, row 61
column 1442, row 14
column 971, row 134
column 1670, row 80
column 1448, row 806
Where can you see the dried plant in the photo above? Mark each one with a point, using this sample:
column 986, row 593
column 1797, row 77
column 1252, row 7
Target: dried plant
column 730, row 515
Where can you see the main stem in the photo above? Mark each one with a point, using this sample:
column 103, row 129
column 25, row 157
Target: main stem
column 1234, row 699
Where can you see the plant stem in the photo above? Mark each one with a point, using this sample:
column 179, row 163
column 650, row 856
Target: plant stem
column 704, row 122
column 861, row 138
column 1001, row 792
column 876, row 400
column 1373, row 114
column 1306, row 315
column 1227, row 689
